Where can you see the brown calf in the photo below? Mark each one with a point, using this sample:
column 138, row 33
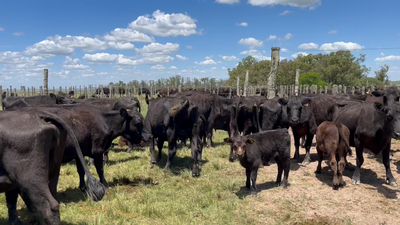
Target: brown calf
column 333, row 139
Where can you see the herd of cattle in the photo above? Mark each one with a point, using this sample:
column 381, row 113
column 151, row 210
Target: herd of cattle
column 40, row 133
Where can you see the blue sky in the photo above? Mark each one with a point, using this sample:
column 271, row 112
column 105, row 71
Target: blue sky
column 97, row 42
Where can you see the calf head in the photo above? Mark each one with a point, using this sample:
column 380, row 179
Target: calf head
column 239, row 144
column 390, row 95
column 298, row 110
column 62, row 98
column 270, row 114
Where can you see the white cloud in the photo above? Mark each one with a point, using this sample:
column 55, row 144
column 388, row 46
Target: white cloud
column 302, row 54
column 388, row 58
column 272, row 37
column 294, row 3
column 157, row 67
column 230, row 58
column 242, row 24
column 332, row 32
column 256, row 54
column 288, row 36
column 285, row 13
column 173, row 68
column 18, row 33
column 128, row 35
column 100, row 57
column 179, row 57
column 158, row 49
column 73, row 64
column 285, row 50
column 121, row 46
column 224, row 68
column 308, row 46
column 157, row 60
column 48, row 47
column 189, row 47
column 207, row 61
column 336, row 46
column 382, row 54
column 88, row 75
column 230, row 2
column 252, row 42
column 214, row 68
column 165, row 25
column 63, row 74
column 1, row 29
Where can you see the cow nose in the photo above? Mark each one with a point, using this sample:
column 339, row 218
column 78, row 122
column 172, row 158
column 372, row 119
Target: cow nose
column 295, row 120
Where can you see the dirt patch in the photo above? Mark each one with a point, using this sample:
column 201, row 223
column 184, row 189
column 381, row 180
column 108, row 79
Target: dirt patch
column 310, row 198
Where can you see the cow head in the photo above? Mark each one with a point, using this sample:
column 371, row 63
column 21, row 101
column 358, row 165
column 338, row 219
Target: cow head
column 62, row 98
column 133, row 128
column 239, row 144
column 390, row 95
column 298, row 110
column 392, row 117
column 270, row 114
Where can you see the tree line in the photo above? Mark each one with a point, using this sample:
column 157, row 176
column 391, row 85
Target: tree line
column 341, row 67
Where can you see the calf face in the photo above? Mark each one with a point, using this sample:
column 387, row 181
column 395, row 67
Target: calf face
column 239, row 144
column 389, row 96
column 297, row 109
column 393, row 115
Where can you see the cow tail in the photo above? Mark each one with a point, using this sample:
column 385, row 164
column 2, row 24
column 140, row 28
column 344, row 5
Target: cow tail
column 95, row 189
column 342, row 139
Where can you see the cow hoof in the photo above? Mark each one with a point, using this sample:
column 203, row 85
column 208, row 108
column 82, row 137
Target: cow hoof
column 393, row 183
column 355, row 182
column 253, row 193
column 195, row 174
column 336, row 187
column 83, row 189
column 152, row 164
column 318, row 171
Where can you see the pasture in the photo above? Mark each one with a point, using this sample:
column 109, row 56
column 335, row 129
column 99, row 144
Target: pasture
column 140, row 195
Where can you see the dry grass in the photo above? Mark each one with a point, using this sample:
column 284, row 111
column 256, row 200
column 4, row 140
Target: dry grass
column 140, row 195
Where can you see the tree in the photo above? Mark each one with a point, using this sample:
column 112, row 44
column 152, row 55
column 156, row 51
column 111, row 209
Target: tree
column 382, row 74
column 311, row 79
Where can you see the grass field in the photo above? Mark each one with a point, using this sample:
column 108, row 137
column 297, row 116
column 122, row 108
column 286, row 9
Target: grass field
column 140, row 195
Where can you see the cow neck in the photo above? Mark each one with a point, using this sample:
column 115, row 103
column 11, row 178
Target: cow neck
column 115, row 123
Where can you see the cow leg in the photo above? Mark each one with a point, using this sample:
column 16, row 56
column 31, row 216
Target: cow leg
column 209, row 134
column 248, row 172
column 11, row 199
column 360, row 161
column 320, row 158
column 153, row 160
column 253, row 177
column 286, row 170
column 232, row 156
column 280, row 170
column 342, row 165
column 196, row 162
column 307, row 158
column 386, row 162
column 91, row 162
column 296, row 138
column 105, row 159
column 130, row 148
column 334, row 167
column 98, row 163
column 160, row 145
column 303, row 142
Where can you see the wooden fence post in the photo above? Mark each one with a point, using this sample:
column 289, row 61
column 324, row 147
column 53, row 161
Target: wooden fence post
column 237, row 86
column 46, row 82
column 246, row 83
column 274, row 72
column 296, row 87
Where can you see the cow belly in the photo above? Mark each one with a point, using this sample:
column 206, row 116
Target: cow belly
column 301, row 130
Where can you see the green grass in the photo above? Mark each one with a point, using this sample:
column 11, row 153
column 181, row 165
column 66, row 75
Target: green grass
column 141, row 195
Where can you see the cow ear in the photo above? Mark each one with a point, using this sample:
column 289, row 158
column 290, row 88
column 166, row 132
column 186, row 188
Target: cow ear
column 377, row 93
column 250, row 141
column 123, row 112
column 282, row 101
column 52, row 95
column 228, row 140
column 306, row 102
column 381, row 107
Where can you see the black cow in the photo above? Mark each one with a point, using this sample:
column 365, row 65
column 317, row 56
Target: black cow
column 270, row 115
column 372, row 126
column 258, row 149
column 215, row 109
column 32, row 144
column 388, row 96
column 144, row 91
column 305, row 114
column 95, row 129
column 245, row 119
column 170, row 119
column 41, row 100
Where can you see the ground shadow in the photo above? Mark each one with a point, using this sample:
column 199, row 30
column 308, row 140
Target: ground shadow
column 217, row 144
column 178, row 165
column 295, row 164
column 130, row 158
column 397, row 164
column 367, row 176
column 117, row 149
column 125, row 181
column 29, row 218
column 244, row 192
column 74, row 195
